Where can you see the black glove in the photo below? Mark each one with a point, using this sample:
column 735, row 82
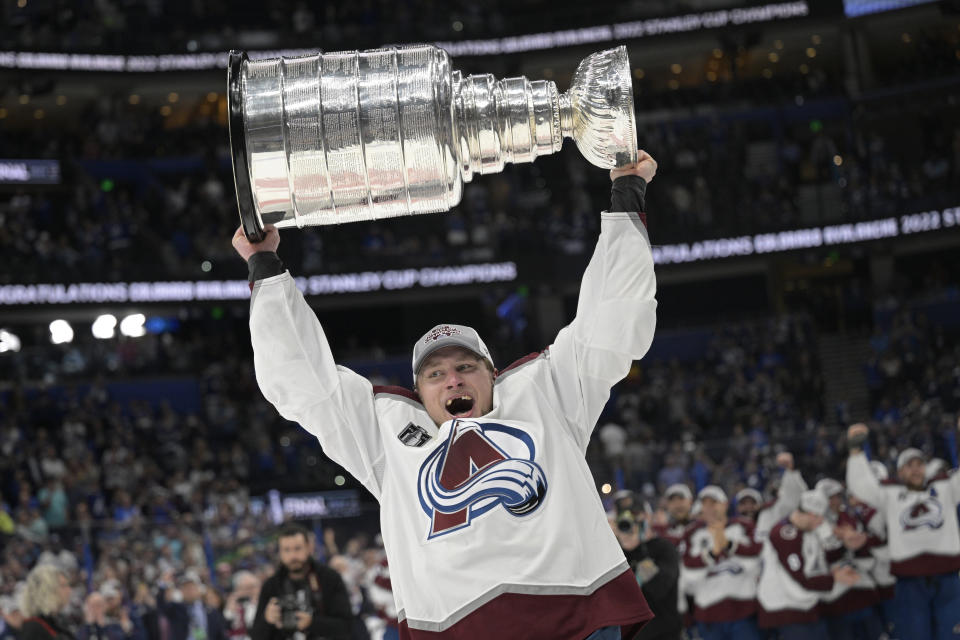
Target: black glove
column 856, row 442
column 628, row 193
column 264, row 264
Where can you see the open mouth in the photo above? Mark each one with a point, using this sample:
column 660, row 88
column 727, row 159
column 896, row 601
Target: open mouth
column 460, row 406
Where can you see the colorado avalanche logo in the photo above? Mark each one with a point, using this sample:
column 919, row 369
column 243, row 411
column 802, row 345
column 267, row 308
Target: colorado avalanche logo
column 924, row 513
column 733, row 568
column 479, row 467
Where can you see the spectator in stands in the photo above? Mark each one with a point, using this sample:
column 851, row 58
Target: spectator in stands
column 96, row 624
column 45, row 597
column 241, row 606
column 11, row 618
column 190, row 618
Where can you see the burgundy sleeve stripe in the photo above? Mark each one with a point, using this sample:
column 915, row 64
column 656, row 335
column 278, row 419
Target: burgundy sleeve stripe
column 397, row 391
column 522, row 361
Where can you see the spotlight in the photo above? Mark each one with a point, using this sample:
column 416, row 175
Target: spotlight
column 104, row 326
column 9, row 342
column 61, row 332
column 132, row 325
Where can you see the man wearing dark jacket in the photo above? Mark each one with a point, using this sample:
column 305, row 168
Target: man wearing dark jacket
column 191, row 618
column 304, row 599
column 655, row 563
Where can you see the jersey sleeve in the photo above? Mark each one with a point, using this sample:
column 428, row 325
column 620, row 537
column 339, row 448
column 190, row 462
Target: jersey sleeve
column 746, row 545
column 297, row 374
column 861, row 481
column 792, row 485
column 954, row 482
column 614, row 325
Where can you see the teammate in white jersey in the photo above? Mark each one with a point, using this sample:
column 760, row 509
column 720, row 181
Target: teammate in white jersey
column 796, row 574
column 721, row 566
column 489, row 512
column 791, row 485
column 924, row 542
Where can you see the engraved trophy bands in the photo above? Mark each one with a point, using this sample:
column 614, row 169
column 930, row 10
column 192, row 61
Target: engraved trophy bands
column 341, row 137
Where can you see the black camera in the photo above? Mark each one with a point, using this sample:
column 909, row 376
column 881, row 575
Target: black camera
column 290, row 605
column 631, row 511
column 626, row 521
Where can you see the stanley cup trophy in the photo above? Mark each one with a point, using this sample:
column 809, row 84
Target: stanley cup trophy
column 341, row 137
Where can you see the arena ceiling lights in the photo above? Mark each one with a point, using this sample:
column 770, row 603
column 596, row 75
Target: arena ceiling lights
column 685, row 23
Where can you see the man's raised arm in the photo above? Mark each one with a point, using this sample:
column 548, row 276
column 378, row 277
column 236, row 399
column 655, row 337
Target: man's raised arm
column 860, row 479
column 616, row 310
column 296, row 370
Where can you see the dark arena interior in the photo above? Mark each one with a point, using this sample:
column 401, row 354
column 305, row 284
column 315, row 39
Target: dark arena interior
column 804, row 228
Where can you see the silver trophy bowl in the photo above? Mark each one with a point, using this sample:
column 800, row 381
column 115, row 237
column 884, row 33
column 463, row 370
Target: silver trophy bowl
column 340, row 137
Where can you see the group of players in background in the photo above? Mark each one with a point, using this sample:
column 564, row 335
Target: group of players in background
column 876, row 557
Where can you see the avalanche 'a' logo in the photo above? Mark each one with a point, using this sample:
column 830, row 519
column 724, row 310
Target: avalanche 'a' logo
column 924, row 513
column 481, row 466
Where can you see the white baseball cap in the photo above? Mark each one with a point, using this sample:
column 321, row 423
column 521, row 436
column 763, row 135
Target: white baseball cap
column 813, row 501
column 111, row 589
column 678, row 489
column 829, row 487
column 749, row 493
column 712, row 491
column 907, row 455
column 448, row 335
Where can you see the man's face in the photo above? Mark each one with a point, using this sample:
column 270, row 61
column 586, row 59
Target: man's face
column 454, row 382
column 190, row 591
column 678, row 507
column 713, row 510
column 911, row 474
column 295, row 552
column 113, row 603
column 248, row 587
column 66, row 593
column 747, row 508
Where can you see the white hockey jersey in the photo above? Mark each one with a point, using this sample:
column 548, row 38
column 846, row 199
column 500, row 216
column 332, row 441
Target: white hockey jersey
column 844, row 598
column 922, row 529
column 493, row 526
column 724, row 587
column 795, row 576
column 792, row 485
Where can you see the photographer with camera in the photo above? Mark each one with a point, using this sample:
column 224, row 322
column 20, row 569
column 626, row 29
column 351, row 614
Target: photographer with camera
column 654, row 561
column 303, row 600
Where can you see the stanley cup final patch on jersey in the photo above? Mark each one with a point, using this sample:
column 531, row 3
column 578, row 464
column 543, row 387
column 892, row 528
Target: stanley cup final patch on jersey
column 480, row 467
column 413, row 435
